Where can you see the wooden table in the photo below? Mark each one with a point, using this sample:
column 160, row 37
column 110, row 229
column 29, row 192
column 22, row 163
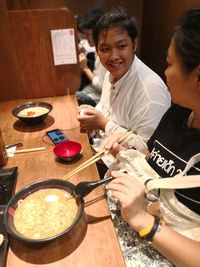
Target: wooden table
column 92, row 242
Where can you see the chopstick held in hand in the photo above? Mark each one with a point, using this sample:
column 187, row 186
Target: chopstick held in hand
column 87, row 163
column 95, row 158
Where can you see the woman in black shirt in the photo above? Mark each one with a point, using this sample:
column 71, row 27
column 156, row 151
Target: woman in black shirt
column 174, row 142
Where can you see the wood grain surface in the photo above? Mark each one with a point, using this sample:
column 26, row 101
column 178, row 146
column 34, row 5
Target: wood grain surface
column 92, row 242
column 27, row 67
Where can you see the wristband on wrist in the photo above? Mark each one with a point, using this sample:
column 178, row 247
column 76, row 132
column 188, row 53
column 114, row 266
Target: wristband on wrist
column 149, row 232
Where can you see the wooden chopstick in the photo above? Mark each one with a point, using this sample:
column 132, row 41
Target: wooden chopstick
column 124, row 136
column 85, row 164
column 29, row 150
column 80, row 168
column 95, row 158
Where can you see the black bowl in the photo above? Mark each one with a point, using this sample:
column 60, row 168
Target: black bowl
column 17, row 198
column 32, row 119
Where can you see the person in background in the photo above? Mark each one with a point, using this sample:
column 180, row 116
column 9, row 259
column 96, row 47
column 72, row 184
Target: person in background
column 91, row 93
column 175, row 141
column 133, row 97
column 83, row 44
column 84, row 47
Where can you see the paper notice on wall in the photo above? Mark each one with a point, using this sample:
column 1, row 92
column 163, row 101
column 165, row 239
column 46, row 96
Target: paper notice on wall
column 64, row 48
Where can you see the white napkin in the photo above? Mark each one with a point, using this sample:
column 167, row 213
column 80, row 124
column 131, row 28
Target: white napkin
column 10, row 151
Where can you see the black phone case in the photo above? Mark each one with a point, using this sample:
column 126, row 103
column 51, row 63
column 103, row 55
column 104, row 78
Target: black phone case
column 56, row 136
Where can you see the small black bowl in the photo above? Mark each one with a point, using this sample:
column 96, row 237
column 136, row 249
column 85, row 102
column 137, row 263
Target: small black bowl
column 32, row 119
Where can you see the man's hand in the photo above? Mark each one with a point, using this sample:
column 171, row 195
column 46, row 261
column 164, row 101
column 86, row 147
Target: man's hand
column 91, row 119
column 83, row 61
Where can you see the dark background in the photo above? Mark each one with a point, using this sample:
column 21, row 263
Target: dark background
column 156, row 19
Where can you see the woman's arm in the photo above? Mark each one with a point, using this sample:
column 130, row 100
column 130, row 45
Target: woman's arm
column 180, row 250
column 129, row 191
column 111, row 143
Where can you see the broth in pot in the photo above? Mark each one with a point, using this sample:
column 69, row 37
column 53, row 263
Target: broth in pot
column 45, row 213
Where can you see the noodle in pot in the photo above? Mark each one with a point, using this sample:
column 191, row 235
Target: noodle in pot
column 45, row 213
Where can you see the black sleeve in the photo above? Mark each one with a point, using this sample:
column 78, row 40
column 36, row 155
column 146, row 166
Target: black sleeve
column 162, row 122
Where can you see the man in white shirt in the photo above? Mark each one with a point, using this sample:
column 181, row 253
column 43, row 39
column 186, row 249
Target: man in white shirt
column 133, row 96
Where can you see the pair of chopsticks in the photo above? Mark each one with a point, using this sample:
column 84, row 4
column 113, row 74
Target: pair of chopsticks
column 29, row 150
column 87, row 163
column 95, row 158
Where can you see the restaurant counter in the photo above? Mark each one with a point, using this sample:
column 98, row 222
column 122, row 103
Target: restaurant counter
column 92, row 242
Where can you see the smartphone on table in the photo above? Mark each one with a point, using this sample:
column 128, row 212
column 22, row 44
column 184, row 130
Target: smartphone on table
column 56, row 136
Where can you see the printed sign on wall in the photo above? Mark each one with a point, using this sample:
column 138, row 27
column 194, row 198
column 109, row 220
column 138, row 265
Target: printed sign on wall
column 64, row 48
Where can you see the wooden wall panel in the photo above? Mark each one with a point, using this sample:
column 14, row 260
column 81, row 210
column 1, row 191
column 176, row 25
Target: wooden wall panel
column 30, row 31
column 10, row 83
column 133, row 7
column 159, row 18
column 31, row 63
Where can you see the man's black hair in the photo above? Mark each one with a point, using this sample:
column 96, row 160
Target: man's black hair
column 91, row 18
column 115, row 18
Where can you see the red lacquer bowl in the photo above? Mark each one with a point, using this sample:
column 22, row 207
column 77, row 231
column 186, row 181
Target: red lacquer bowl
column 67, row 150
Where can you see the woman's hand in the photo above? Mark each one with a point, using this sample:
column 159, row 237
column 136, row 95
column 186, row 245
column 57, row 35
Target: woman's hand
column 111, row 143
column 91, row 119
column 130, row 194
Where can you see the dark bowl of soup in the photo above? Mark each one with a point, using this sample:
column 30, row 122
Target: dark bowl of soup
column 32, row 113
column 43, row 211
